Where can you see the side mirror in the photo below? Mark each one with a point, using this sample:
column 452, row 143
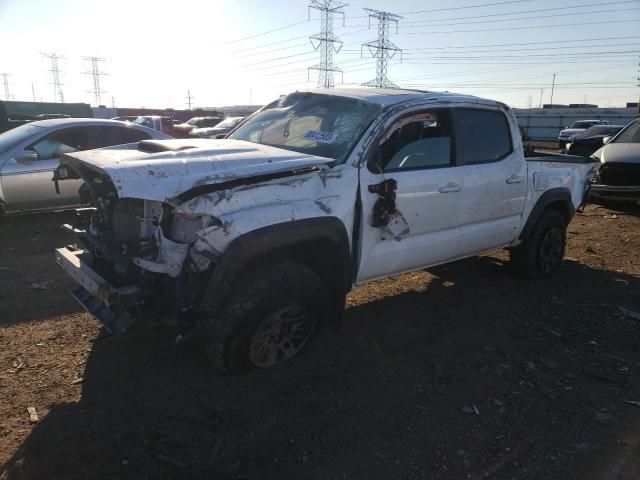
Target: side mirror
column 26, row 156
column 220, row 135
column 606, row 140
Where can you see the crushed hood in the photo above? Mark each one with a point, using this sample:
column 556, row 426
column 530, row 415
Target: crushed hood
column 188, row 164
column 619, row 153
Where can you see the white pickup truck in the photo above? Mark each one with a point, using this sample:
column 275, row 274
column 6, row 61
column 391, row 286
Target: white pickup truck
column 257, row 238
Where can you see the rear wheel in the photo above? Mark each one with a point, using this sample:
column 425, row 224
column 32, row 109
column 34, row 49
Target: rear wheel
column 541, row 253
column 272, row 315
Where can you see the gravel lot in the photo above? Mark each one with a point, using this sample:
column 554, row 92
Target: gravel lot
column 460, row 372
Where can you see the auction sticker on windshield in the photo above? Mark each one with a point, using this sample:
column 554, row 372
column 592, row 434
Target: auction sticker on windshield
column 320, row 137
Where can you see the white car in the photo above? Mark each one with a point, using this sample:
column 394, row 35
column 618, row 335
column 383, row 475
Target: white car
column 258, row 237
column 30, row 153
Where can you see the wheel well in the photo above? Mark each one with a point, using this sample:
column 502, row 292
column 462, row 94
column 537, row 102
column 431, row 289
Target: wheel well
column 558, row 199
column 322, row 245
column 562, row 207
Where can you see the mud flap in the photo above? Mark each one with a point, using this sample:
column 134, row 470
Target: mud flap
column 115, row 320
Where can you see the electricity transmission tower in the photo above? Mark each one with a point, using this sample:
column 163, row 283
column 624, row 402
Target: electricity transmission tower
column 326, row 42
column 382, row 49
column 95, row 74
column 5, row 80
column 55, row 76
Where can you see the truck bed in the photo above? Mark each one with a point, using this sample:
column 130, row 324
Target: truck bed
column 558, row 158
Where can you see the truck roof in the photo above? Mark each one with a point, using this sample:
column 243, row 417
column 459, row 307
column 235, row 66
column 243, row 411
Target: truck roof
column 394, row 96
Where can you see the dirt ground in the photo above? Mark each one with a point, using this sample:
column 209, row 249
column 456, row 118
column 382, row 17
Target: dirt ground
column 463, row 372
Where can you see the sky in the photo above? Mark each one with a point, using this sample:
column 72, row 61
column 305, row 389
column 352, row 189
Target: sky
column 227, row 52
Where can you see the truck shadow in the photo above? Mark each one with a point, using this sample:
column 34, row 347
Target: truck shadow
column 461, row 372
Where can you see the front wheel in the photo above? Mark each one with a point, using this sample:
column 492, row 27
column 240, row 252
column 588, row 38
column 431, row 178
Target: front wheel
column 272, row 315
column 541, row 253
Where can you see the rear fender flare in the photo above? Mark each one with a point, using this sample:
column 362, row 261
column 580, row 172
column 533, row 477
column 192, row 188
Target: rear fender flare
column 558, row 198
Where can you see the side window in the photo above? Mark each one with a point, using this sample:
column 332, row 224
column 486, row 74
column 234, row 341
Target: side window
column 421, row 141
column 62, row 141
column 484, row 135
column 108, row 136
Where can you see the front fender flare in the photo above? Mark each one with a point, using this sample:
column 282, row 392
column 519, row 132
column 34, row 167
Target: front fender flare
column 259, row 244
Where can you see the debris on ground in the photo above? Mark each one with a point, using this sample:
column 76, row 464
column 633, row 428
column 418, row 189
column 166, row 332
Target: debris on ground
column 41, row 285
column 33, row 414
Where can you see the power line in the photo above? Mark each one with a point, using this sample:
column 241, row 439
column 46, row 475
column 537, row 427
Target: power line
column 95, row 74
column 55, row 76
column 382, row 49
column 563, row 25
column 326, row 42
column 262, row 33
column 572, row 7
column 465, row 7
column 522, row 18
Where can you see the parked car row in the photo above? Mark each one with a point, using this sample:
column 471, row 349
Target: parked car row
column 593, row 138
column 219, row 130
column 577, row 127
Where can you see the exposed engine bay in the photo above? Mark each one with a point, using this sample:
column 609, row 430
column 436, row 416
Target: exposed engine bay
column 144, row 243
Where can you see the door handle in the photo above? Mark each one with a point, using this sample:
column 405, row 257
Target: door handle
column 514, row 179
column 450, row 188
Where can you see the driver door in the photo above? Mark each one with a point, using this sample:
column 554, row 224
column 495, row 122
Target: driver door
column 418, row 153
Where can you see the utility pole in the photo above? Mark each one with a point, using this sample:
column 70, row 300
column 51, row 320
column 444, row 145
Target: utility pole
column 189, row 98
column 55, row 76
column 382, row 49
column 5, row 80
column 33, row 92
column 326, row 42
column 553, row 85
column 95, row 74
column 638, row 84
column 541, row 93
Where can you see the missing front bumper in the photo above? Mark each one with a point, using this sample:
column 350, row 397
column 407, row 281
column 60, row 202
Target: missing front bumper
column 105, row 302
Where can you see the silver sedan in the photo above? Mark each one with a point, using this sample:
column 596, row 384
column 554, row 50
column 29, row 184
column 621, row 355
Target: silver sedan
column 30, row 153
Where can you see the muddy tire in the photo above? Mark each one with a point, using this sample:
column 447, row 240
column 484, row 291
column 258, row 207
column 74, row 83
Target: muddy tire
column 541, row 254
column 273, row 314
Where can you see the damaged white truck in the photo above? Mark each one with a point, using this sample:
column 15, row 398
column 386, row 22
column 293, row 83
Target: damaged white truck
column 258, row 237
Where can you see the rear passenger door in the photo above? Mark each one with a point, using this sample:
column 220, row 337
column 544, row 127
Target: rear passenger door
column 494, row 177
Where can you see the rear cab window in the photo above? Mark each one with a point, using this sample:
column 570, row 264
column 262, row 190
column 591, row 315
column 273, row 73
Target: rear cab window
column 484, row 136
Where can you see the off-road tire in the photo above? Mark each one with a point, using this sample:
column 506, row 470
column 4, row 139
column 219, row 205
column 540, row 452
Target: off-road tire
column 256, row 296
column 541, row 253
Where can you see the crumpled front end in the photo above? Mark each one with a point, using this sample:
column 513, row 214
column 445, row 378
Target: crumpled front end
column 135, row 256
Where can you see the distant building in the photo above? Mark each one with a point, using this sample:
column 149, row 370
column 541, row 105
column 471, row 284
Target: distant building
column 545, row 123
column 582, row 105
